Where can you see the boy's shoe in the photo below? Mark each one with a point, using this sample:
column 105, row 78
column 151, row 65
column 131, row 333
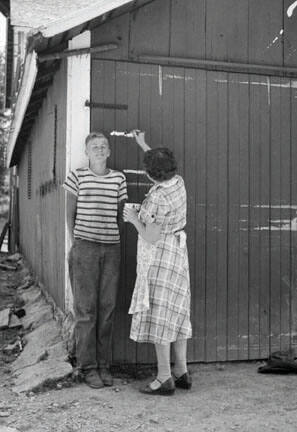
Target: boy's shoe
column 106, row 376
column 184, row 381
column 92, row 379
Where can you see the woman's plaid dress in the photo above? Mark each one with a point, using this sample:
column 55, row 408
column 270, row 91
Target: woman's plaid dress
column 161, row 298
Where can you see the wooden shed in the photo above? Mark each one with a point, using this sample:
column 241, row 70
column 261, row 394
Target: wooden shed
column 214, row 80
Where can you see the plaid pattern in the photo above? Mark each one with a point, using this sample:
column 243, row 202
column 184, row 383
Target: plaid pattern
column 168, row 317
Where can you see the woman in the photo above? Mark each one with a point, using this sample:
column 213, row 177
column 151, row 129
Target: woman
column 161, row 299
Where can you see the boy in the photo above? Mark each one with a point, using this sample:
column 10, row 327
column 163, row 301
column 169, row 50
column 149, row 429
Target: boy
column 95, row 199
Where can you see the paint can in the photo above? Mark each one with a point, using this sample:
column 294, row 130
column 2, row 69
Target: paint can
column 135, row 206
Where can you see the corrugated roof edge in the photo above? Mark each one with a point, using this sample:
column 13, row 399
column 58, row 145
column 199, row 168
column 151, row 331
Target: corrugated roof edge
column 54, row 28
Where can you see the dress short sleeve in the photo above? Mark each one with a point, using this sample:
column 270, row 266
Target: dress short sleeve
column 123, row 190
column 154, row 208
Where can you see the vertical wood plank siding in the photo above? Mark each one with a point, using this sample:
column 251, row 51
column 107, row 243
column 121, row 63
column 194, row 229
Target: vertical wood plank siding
column 234, row 137
column 247, row 31
column 42, row 216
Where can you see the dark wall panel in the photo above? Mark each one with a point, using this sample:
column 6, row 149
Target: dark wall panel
column 289, row 36
column 227, row 30
column 195, row 179
column 188, row 40
column 265, row 22
column 246, row 31
column 115, row 31
column 150, row 29
column 238, row 180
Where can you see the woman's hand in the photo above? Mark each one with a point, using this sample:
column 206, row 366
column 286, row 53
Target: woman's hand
column 140, row 139
column 130, row 215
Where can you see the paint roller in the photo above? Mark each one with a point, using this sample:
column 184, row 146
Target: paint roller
column 127, row 134
column 122, row 133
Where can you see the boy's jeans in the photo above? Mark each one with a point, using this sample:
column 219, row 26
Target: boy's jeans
column 94, row 270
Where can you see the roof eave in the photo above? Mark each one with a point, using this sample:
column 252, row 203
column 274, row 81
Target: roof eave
column 35, row 39
column 81, row 16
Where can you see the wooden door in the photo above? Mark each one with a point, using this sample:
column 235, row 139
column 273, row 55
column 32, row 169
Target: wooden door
column 234, row 139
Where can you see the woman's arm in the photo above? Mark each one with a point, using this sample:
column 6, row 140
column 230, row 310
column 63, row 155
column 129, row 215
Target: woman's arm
column 150, row 232
column 139, row 137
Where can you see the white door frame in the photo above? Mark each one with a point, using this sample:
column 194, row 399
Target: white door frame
column 78, row 126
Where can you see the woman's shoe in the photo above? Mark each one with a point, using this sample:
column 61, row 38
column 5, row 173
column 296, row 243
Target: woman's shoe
column 184, row 381
column 167, row 388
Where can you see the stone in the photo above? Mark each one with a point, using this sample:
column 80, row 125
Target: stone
column 58, row 351
column 26, row 284
column 14, row 347
column 20, row 313
column 8, row 429
column 14, row 321
column 7, row 267
column 14, row 258
column 4, row 318
column 37, row 313
column 43, row 338
column 30, row 295
column 40, row 374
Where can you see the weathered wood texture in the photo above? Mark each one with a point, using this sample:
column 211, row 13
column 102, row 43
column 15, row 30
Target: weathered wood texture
column 43, row 216
column 234, row 143
column 247, row 31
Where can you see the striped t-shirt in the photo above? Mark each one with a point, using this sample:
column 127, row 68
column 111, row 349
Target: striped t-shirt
column 97, row 203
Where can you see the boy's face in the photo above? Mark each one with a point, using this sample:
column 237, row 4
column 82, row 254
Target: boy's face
column 97, row 149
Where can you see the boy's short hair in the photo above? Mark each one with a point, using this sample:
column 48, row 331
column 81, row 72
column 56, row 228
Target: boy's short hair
column 93, row 135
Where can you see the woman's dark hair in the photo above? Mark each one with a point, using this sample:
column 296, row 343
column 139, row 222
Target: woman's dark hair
column 160, row 164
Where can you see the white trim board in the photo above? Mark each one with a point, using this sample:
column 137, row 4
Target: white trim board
column 23, row 98
column 77, row 126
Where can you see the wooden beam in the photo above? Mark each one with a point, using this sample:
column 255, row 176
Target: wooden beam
column 245, row 68
column 77, row 52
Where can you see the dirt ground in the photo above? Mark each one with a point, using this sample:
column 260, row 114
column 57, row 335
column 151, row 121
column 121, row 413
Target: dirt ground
column 232, row 399
column 224, row 398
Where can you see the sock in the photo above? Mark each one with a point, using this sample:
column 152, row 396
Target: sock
column 163, row 359
column 180, row 352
